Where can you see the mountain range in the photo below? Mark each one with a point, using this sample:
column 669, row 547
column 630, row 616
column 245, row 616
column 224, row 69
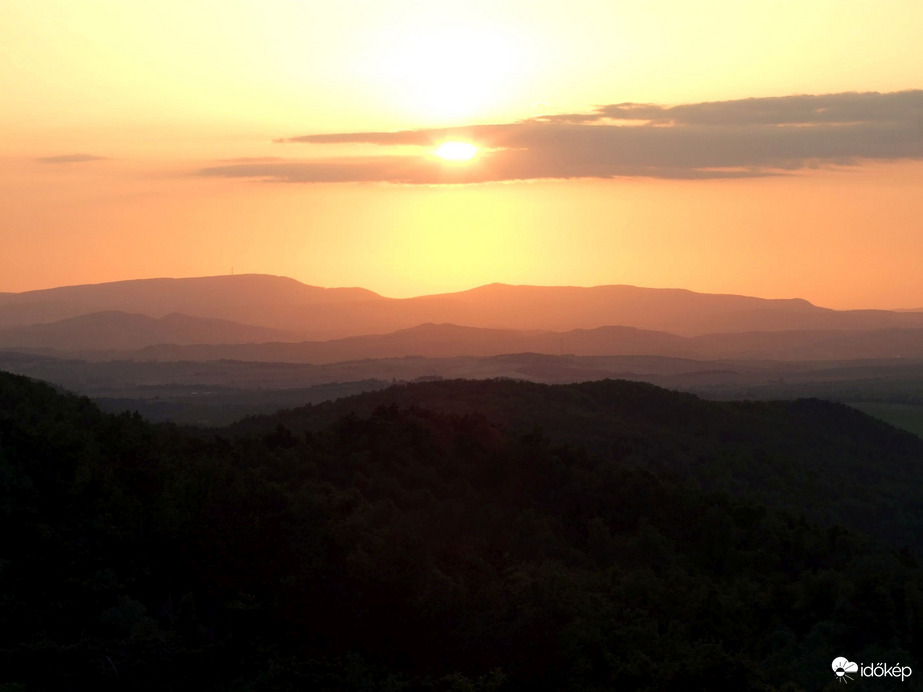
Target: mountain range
column 211, row 349
column 312, row 313
column 270, row 318
column 120, row 331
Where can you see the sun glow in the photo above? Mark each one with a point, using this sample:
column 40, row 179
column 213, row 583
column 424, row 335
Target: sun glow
column 456, row 151
column 445, row 70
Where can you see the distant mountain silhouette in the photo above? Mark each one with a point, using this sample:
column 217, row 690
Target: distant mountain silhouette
column 449, row 341
column 120, row 331
column 268, row 301
column 323, row 314
column 677, row 311
column 430, row 341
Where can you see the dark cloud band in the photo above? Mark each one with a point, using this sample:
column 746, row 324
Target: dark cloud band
column 723, row 139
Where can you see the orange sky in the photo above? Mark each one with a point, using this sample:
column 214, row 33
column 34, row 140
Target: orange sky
column 656, row 143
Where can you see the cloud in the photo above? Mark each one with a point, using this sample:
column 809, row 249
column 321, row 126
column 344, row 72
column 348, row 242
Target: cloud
column 846, row 108
column 252, row 159
column 70, row 158
column 721, row 139
column 392, row 169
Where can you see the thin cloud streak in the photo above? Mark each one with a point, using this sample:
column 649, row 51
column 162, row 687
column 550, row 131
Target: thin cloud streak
column 424, row 170
column 724, row 139
column 70, row 158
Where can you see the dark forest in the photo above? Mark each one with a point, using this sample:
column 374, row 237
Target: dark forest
column 458, row 536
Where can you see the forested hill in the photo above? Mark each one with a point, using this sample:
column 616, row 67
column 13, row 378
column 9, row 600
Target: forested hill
column 406, row 548
column 825, row 460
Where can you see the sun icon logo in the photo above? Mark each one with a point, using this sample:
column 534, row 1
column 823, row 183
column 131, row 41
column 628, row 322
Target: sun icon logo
column 842, row 666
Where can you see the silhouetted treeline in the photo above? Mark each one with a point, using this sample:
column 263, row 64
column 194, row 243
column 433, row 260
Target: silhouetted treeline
column 422, row 545
column 818, row 458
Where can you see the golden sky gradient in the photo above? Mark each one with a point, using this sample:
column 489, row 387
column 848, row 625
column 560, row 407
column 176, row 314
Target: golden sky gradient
column 769, row 148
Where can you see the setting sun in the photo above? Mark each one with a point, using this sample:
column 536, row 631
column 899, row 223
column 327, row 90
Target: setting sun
column 456, row 151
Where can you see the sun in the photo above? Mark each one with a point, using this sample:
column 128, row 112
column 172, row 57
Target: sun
column 456, row 151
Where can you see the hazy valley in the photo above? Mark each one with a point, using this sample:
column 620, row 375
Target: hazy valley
column 212, row 349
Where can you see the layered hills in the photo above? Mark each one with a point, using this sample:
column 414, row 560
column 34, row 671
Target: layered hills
column 319, row 313
column 229, row 341
column 121, row 331
column 219, row 339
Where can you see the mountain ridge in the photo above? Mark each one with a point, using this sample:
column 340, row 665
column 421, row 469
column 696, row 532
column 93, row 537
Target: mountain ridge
column 317, row 313
column 114, row 330
column 148, row 342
